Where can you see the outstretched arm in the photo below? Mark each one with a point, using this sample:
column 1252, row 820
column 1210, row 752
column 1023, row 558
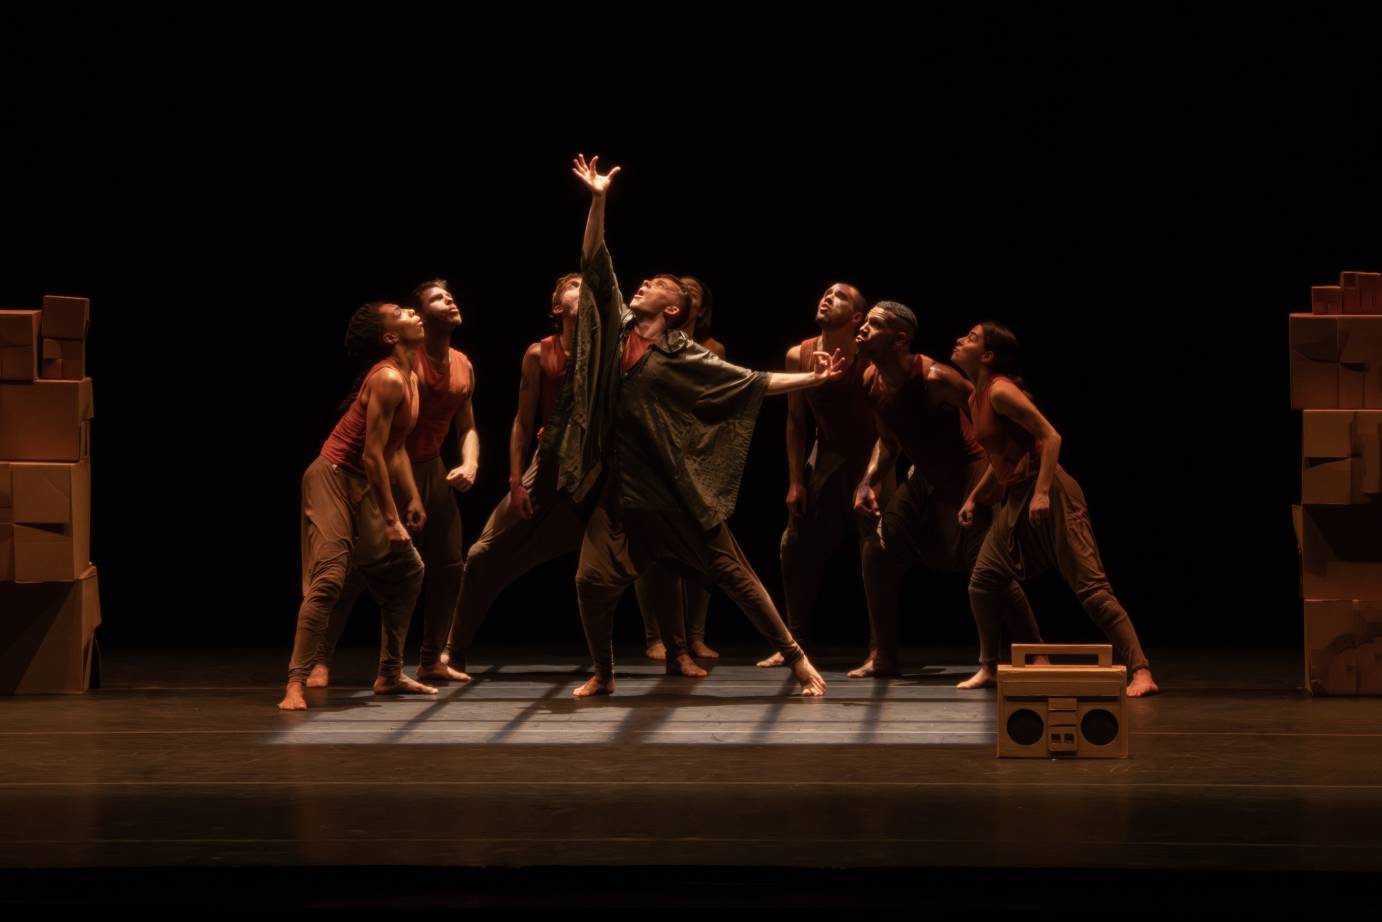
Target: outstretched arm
column 828, row 367
column 595, row 220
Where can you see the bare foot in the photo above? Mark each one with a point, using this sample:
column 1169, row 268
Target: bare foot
column 873, row 666
column 770, row 662
column 595, row 686
column 401, row 686
column 685, row 665
column 1141, row 685
column 320, row 676
column 701, row 651
column 985, row 677
column 293, row 698
column 657, row 651
column 441, row 672
column 1039, row 660
column 812, row 685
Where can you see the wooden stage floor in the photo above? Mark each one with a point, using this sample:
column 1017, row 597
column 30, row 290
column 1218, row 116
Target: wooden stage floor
column 182, row 761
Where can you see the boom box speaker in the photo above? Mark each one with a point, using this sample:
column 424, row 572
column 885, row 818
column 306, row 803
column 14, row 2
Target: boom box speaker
column 1062, row 711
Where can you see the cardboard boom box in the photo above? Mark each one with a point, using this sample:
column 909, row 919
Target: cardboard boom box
column 1062, row 711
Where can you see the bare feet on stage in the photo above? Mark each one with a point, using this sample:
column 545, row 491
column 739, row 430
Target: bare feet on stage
column 595, row 686
column 320, row 676
column 441, row 672
column 1142, row 684
column 812, row 685
column 657, row 651
column 774, row 660
column 873, row 667
column 402, row 685
column 686, row 666
column 293, row 698
column 701, row 651
column 986, row 677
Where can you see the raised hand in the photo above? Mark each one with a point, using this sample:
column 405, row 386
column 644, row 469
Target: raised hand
column 588, row 174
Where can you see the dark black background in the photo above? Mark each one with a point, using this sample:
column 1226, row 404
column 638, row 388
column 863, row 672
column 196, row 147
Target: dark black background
column 1144, row 207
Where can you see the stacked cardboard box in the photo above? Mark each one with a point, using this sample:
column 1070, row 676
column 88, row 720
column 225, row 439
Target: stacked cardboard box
column 1336, row 380
column 49, row 603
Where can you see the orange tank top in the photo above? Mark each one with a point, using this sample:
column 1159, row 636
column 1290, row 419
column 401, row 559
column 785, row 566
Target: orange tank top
column 844, row 422
column 1013, row 452
column 441, row 395
column 937, row 439
column 346, row 443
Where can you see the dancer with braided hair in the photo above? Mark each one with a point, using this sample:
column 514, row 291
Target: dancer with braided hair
column 349, row 517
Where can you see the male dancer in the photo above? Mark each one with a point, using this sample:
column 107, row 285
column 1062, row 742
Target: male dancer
column 820, row 491
column 534, row 522
column 446, row 387
column 920, row 407
column 658, row 428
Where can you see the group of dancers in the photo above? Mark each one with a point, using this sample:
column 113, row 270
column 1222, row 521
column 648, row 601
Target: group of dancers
column 642, row 432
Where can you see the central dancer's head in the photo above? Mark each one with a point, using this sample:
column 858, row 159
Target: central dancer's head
column 662, row 295
column 887, row 332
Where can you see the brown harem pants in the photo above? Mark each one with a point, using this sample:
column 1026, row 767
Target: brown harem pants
column 620, row 544
column 1014, row 550
column 441, row 548
column 809, row 541
column 342, row 528
column 919, row 525
column 511, row 546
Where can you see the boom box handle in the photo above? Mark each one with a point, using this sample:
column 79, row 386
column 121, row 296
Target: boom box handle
column 1023, row 651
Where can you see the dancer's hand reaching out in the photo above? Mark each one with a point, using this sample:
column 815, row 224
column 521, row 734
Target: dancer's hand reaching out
column 588, row 174
column 827, row 366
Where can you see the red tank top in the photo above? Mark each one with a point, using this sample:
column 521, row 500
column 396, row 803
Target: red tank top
column 1013, row 452
column 552, row 360
column 440, row 397
column 844, row 422
column 346, row 443
column 937, row 439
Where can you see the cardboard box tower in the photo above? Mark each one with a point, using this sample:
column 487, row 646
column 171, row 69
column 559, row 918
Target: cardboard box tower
column 49, row 604
column 1336, row 381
